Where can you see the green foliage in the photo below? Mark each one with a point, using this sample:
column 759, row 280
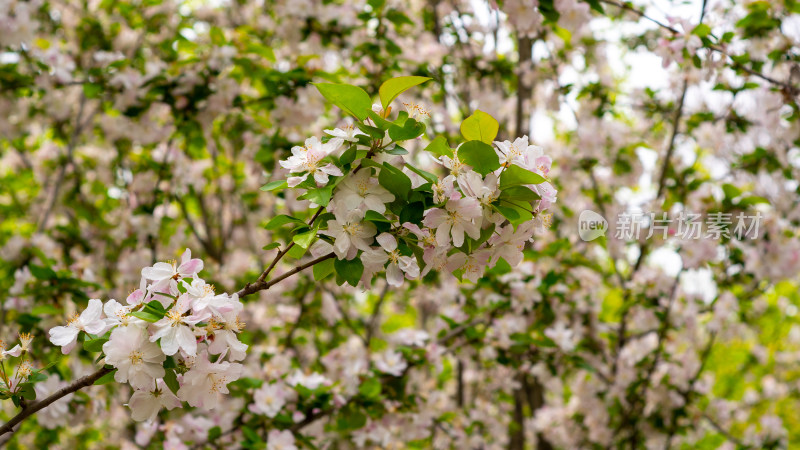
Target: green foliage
column 480, row 156
column 351, row 99
column 480, row 126
column 391, row 88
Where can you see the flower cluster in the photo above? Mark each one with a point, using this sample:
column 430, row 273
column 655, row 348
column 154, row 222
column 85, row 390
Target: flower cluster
column 395, row 217
column 175, row 339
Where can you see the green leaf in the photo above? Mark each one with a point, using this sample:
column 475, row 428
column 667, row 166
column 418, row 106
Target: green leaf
column 273, row 185
column 107, row 378
column 281, row 220
column 42, row 273
column 296, row 252
column 427, row 176
column 45, row 310
column 92, row 90
column 156, row 308
column 410, row 130
column 396, row 150
column 440, row 147
column 271, row 246
column 261, row 50
column 251, row 436
column 390, row 89
column 217, row 36
column 323, row 269
column 480, row 156
column 371, row 388
column 480, row 126
column 373, row 132
column 374, row 216
column 351, row 99
column 563, row 33
column 27, row 392
column 94, row 344
column 412, row 212
column 146, row 316
column 702, row 30
column 305, row 239
column 595, row 5
column 320, row 196
column 517, row 176
column 348, row 156
column 731, row 191
column 520, row 193
column 548, row 10
column 752, row 200
column 214, row 433
column 349, row 271
column 379, row 121
column 515, row 212
column 171, row 380
column 395, row 181
column 350, row 419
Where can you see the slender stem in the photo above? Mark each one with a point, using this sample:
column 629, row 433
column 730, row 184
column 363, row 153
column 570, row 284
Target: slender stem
column 676, row 120
column 261, row 285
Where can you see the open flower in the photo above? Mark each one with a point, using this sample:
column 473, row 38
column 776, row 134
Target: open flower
column 311, row 381
column 146, row 403
column 362, row 191
column 458, row 217
column 350, row 234
column 205, row 382
column 391, row 362
column 519, row 152
column 269, row 399
column 174, row 329
column 280, row 440
column 120, row 315
column 443, row 190
column 224, row 330
column 457, row 168
column 137, row 360
column 206, row 301
column 308, row 159
column 89, row 321
column 346, row 133
column 24, row 346
column 165, row 275
column 398, row 264
column 484, row 190
column 509, row 243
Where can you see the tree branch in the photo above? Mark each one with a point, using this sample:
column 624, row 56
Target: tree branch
column 29, row 410
column 261, row 285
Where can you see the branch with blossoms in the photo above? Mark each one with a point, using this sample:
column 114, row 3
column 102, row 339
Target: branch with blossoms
column 175, row 340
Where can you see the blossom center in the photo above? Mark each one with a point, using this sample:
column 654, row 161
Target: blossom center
column 135, row 357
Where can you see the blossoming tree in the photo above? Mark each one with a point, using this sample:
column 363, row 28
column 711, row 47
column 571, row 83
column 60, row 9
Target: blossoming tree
column 377, row 211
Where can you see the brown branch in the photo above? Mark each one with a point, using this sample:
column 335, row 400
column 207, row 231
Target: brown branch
column 62, row 171
column 261, row 285
column 676, row 119
column 641, row 14
column 29, row 410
